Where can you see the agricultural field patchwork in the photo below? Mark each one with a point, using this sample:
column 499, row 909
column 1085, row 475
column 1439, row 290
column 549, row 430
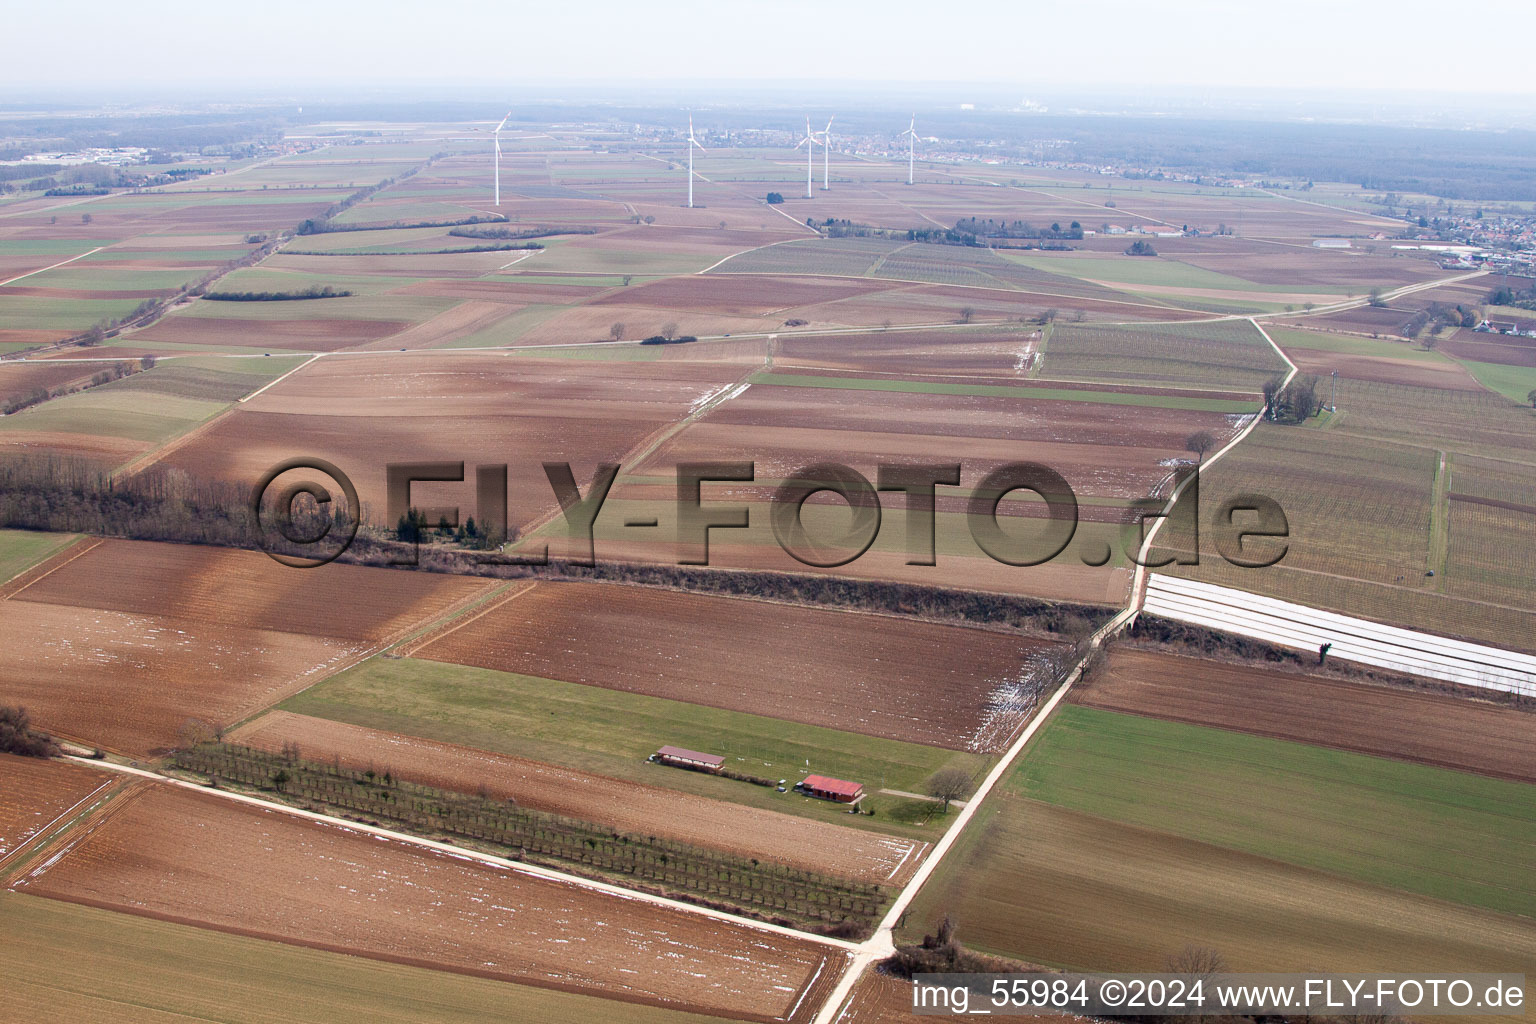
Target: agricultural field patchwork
column 677, row 793
column 1108, row 802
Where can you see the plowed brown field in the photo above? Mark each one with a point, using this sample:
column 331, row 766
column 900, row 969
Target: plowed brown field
column 365, row 412
column 205, row 860
column 33, row 792
column 1428, row 728
column 120, row 644
column 740, row 294
column 879, row 675
column 622, row 806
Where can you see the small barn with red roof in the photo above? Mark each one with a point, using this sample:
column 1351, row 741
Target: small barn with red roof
column 832, row 789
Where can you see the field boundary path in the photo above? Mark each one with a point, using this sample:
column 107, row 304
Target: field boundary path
column 43, row 270
column 882, row 944
column 465, row 853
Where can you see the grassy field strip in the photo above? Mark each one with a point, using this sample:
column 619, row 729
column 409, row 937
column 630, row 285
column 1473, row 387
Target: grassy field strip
column 30, row 273
column 171, row 444
column 460, row 617
column 1513, row 382
column 44, row 837
column 464, row 853
column 1437, row 832
column 279, row 380
column 20, row 550
column 1439, row 521
column 1004, row 391
column 21, row 581
column 613, row 732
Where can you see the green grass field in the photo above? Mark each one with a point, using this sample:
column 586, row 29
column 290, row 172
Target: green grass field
column 41, row 313
column 1322, row 341
column 1119, row 840
column 152, row 406
column 612, row 733
column 68, row 962
column 1513, row 382
column 22, row 549
column 1450, row 835
column 132, row 415
column 1152, row 274
column 1006, row 391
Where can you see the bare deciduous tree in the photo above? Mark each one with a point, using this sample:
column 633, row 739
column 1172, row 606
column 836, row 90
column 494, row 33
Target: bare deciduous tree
column 669, row 330
column 616, row 332
column 1197, row 962
column 948, row 784
column 1200, row 442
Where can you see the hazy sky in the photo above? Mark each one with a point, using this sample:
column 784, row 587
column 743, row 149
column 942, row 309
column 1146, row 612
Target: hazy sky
column 1063, row 45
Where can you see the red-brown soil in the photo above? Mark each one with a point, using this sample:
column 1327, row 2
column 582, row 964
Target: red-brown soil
column 121, row 643
column 873, row 674
column 298, row 335
column 365, row 412
column 1446, row 731
column 204, row 860
column 34, row 792
column 619, row 805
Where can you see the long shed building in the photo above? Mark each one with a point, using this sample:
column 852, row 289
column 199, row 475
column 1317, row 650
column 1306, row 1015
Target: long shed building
column 683, row 758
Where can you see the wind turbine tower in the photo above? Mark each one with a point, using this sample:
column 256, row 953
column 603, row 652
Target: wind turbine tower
column 693, row 144
column 826, row 147
column 911, row 134
column 497, row 172
column 810, row 142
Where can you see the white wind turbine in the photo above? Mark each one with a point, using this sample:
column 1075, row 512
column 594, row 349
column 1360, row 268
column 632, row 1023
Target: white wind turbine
column 911, row 134
column 497, row 173
column 826, row 147
column 810, row 153
column 692, row 142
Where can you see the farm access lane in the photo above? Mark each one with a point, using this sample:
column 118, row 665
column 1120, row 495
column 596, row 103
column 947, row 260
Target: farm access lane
column 882, row 943
column 548, row 874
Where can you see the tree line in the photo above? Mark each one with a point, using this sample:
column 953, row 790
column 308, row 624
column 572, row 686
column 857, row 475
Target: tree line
column 533, row 232
column 69, row 494
column 316, row 292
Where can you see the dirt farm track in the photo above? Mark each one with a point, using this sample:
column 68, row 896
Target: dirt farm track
column 196, row 859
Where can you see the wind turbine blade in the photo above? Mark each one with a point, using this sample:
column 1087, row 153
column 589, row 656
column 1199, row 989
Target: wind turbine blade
column 504, row 121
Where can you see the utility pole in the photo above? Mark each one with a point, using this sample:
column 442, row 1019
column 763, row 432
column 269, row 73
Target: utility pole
column 1333, row 405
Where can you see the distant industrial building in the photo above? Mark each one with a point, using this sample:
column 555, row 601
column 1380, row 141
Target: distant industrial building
column 680, row 758
column 832, row 789
column 1330, row 243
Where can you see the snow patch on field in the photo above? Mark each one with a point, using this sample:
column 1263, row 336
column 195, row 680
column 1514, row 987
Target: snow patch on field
column 1010, row 705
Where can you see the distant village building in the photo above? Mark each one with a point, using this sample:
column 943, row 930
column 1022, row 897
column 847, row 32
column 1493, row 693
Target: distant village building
column 680, row 758
column 832, row 789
